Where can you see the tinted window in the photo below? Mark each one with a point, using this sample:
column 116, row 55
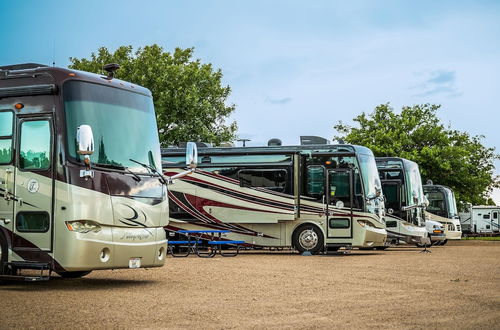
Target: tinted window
column 339, row 223
column 315, row 181
column 486, row 216
column 32, row 221
column 391, row 223
column 6, row 123
column 392, row 196
column 5, row 151
column 270, row 179
column 34, row 151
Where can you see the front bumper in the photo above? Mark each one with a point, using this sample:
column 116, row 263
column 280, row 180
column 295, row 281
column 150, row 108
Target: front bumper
column 437, row 237
column 112, row 248
column 373, row 237
column 454, row 235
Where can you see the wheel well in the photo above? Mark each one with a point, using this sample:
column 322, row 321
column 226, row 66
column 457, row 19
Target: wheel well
column 303, row 225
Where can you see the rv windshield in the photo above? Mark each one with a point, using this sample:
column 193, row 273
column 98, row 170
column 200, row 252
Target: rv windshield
column 123, row 124
column 414, row 184
column 452, row 204
column 371, row 182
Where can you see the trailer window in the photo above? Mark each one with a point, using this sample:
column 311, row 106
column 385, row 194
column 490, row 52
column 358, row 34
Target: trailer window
column 34, row 153
column 6, row 125
column 32, row 222
column 269, row 179
column 486, row 216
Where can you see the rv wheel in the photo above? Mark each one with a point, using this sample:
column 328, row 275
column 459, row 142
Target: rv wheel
column 74, row 274
column 444, row 242
column 308, row 238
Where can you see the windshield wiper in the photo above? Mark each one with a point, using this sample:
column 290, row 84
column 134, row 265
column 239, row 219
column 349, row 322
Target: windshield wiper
column 152, row 170
column 113, row 166
column 118, row 167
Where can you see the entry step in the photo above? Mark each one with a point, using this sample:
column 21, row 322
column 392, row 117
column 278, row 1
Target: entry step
column 24, row 278
column 28, row 265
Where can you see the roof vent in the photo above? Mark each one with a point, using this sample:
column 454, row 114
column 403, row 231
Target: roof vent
column 274, row 143
column 308, row 140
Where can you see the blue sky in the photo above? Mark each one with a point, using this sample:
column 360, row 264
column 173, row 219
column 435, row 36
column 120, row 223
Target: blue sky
column 295, row 67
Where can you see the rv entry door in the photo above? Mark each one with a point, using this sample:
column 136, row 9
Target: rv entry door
column 33, row 224
column 339, row 204
column 6, row 171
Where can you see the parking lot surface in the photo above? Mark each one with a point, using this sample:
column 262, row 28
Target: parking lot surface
column 455, row 286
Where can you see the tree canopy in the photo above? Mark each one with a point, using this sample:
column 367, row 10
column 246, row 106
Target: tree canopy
column 189, row 97
column 446, row 156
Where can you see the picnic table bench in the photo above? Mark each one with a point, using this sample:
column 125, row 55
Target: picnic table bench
column 214, row 243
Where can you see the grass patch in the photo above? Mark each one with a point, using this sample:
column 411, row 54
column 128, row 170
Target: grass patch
column 484, row 238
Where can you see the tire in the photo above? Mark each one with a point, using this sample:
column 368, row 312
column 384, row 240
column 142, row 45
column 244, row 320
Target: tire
column 381, row 247
column 444, row 242
column 74, row 274
column 308, row 238
column 3, row 254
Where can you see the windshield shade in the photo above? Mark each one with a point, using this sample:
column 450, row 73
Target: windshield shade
column 123, row 124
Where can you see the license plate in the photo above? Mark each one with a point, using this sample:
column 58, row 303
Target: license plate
column 134, row 263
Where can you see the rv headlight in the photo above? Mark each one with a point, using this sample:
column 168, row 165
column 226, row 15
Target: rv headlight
column 364, row 223
column 83, row 226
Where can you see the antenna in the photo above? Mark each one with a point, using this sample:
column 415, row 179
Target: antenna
column 244, row 141
column 54, row 52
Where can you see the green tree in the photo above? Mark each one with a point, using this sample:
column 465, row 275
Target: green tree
column 448, row 157
column 189, row 97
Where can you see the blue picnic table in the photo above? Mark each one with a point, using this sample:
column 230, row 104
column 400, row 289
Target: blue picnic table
column 215, row 243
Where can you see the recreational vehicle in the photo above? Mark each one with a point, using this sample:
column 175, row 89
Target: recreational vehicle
column 443, row 208
column 482, row 219
column 311, row 197
column 69, row 204
column 405, row 202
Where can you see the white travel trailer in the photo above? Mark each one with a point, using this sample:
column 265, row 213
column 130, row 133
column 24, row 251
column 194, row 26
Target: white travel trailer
column 405, row 202
column 310, row 197
column 443, row 208
column 66, row 204
column 481, row 220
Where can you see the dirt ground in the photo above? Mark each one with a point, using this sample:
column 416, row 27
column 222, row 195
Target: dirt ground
column 455, row 286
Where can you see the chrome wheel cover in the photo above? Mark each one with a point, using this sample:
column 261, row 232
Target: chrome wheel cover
column 308, row 239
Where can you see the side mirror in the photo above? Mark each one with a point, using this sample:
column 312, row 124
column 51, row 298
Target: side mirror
column 191, row 155
column 426, row 201
column 85, row 140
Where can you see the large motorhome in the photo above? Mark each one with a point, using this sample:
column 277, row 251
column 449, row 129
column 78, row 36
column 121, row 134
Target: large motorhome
column 405, row 202
column 63, row 206
column 311, row 197
column 481, row 219
column 443, row 208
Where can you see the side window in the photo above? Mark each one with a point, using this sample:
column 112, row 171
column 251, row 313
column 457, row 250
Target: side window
column 270, row 179
column 315, row 184
column 32, row 222
column 495, row 215
column 339, row 223
column 486, row 216
column 6, row 128
column 34, row 150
